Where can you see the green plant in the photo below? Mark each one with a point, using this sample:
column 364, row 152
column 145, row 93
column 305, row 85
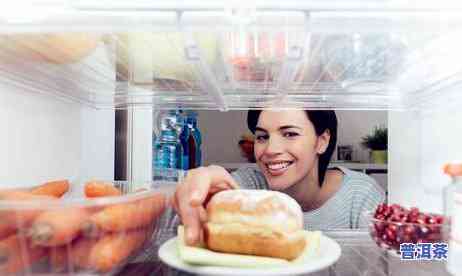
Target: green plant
column 378, row 140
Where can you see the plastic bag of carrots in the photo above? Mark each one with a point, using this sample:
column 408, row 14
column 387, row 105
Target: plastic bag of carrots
column 98, row 233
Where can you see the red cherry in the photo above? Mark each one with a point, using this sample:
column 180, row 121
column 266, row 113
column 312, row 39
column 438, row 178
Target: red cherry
column 392, row 227
column 379, row 226
column 431, row 220
column 421, row 219
column 439, row 219
column 412, row 217
column 391, row 235
column 404, row 218
column 381, row 207
column 398, row 217
column 424, row 231
column 409, row 230
column 414, row 211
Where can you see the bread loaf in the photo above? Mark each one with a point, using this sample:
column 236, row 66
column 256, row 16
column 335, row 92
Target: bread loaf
column 255, row 222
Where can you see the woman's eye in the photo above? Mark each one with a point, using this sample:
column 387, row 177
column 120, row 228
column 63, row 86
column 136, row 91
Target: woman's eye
column 261, row 138
column 290, row 134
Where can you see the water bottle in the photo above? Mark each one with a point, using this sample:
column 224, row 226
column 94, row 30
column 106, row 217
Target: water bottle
column 167, row 149
column 194, row 141
column 184, row 136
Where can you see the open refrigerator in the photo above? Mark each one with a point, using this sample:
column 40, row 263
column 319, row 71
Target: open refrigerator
column 81, row 79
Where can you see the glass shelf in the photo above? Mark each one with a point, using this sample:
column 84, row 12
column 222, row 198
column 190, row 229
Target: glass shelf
column 360, row 256
column 210, row 55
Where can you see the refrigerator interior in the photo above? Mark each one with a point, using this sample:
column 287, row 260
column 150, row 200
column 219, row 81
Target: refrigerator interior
column 346, row 55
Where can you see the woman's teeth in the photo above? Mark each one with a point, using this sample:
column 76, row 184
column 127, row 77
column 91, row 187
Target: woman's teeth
column 278, row 167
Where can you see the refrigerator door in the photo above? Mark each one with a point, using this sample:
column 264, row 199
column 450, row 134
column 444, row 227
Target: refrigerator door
column 420, row 143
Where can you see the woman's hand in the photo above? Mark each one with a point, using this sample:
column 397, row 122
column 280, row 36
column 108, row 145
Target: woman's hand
column 194, row 192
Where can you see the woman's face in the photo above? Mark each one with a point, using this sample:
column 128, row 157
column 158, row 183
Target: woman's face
column 287, row 147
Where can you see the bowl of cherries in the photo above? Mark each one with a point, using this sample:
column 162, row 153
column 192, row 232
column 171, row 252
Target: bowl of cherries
column 391, row 225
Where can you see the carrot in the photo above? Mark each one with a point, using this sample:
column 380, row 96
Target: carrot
column 22, row 195
column 57, row 227
column 12, row 220
column 72, row 256
column 126, row 216
column 55, row 188
column 59, row 258
column 100, row 189
column 80, row 252
column 16, row 255
column 114, row 248
column 5, row 192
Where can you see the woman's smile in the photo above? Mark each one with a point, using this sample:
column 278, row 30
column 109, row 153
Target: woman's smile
column 278, row 167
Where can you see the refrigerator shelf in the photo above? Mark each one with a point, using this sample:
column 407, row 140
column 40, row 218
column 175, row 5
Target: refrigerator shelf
column 211, row 55
column 360, row 256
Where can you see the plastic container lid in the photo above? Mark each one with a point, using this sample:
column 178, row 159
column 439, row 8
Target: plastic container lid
column 453, row 169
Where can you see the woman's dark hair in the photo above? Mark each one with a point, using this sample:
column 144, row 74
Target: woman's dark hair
column 322, row 120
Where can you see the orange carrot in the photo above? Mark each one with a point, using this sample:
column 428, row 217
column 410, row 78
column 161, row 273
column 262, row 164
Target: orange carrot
column 100, row 189
column 71, row 256
column 17, row 254
column 55, row 188
column 57, row 227
column 126, row 216
column 114, row 248
column 22, row 195
column 80, row 252
column 4, row 192
column 59, row 258
column 12, row 220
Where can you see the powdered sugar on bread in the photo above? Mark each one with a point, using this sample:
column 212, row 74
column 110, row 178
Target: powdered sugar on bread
column 271, row 206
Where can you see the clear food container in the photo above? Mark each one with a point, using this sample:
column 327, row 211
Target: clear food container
column 354, row 60
column 257, row 56
column 94, row 229
column 392, row 225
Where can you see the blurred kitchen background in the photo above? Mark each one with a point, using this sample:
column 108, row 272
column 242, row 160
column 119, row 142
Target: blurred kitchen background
column 222, row 132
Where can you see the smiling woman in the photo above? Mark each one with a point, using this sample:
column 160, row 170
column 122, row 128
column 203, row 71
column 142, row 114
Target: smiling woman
column 292, row 149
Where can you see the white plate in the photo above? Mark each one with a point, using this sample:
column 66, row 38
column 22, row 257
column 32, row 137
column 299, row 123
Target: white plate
column 329, row 253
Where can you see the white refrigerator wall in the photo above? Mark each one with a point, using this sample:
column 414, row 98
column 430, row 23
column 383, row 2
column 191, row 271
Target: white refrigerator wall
column 420, row 144
column 44, row 138
column 97, row 143
column 40, row 139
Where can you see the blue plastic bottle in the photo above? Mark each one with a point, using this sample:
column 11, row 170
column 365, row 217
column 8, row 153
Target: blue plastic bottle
column 167, row 149
column 194, row 141
column 184, row 136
